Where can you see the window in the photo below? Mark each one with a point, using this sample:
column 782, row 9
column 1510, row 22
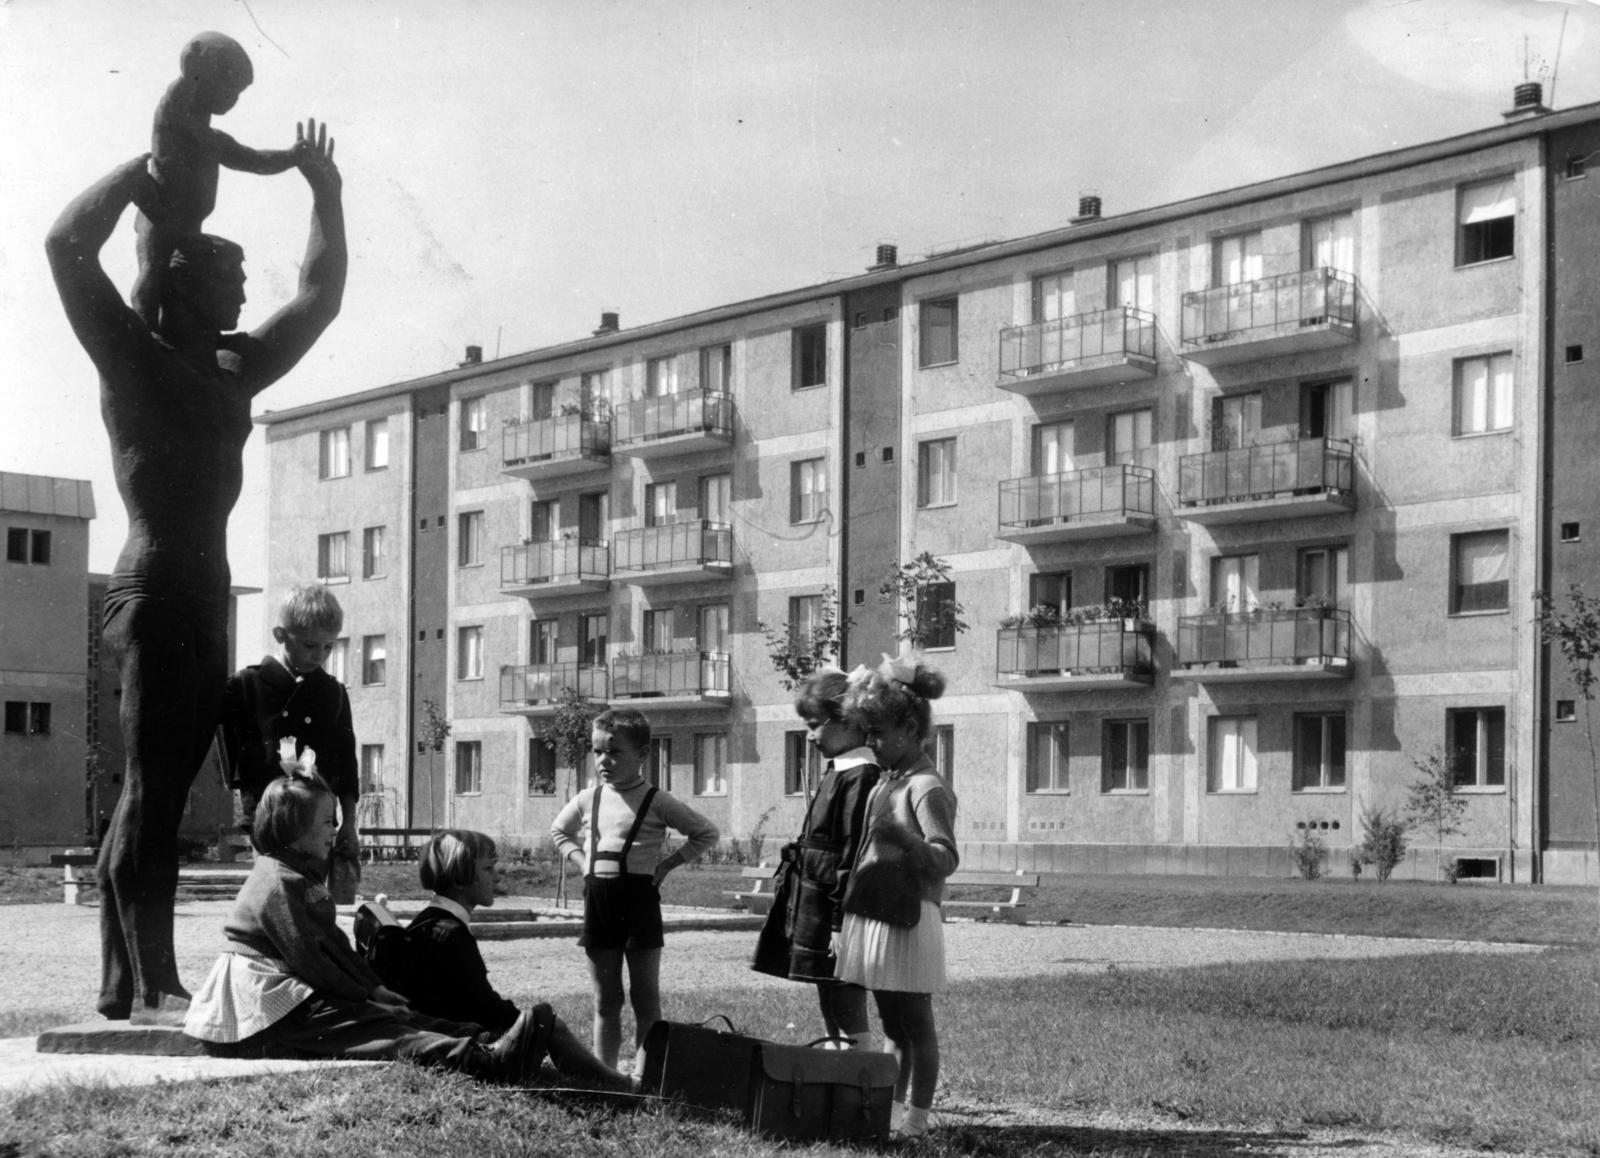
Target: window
column 333, row 453
column 808, row 490
column 1235, row 421
column 1236, row 259
column 711, row 764
column 374, row 658
column 592, row 639
column 1566, row 711
column 941, row 749
column 1047, row 758
column 371, row 768
column 1052, row 589
column 1480, row 572
column 540, row 401
column 805, row 616
column 811, row 356
column 1132, row 282
column 1329, row 243
column 333, row 556
column 1319, row 751
column 378, row 444
column 660, row 503
column 542, row 637
column 1235, row 582
column 474, row 424
column 594, row 515
column 1052, row 448
column 27, row 719
column 713, row 628
column 1322, row 574
column 541, row 768
column 802, row 765
column 1478, row 746
column 1574, row 354
column 469, row 538
column 660, row 377
column 936, row 472
column 1129, row 438
column 936, row 615
column 937, row 332
column 658, row 762
column 1125, row 756
column 374, row 557
column 716, row 369
column 1486, row 221
column 338, row 659
column 541, row 521
column 657, row 631
column 26, row 546
column 469, row 653
column 469, row 768
column 716, row 498
column 1483, row 394
column 1326, row 409
column 887, row 454
column 594, row 389
column 1571, row 533
column 1053, row 297
column 1129, row 582
column 1231, row 763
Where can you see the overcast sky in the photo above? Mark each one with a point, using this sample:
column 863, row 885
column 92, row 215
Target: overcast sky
column 513, row 167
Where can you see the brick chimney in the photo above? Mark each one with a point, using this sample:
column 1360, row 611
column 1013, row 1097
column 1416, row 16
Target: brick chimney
column 474, row 356
column 609, row 323
column 1527, row 100
column 1088, row 208
column 888, row 256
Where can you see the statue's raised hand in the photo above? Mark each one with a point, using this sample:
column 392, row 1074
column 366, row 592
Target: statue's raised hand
column 313, row 150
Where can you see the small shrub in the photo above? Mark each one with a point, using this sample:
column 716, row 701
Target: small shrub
column 1310, row 855
column 1383, row 841
column 758, row 836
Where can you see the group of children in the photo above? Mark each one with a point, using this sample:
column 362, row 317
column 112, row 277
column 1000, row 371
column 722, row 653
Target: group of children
column 857, row 910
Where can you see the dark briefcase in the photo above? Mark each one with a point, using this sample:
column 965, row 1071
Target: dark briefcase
column 705, row 1067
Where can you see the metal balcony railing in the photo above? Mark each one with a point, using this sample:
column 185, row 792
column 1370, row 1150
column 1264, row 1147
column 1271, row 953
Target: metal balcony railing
column 1062, row 344
column 670, row 674
column 1101, row 491
column 1265, row 636
column 1268, row 307
column 668, row 546
column 533, row 685
column 1113, row 646
column 691, row 412
column 555, row 562
column 1274, row 469
column 562, row 436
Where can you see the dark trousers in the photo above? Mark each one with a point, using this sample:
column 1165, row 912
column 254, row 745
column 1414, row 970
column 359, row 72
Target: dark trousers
column 327, row 1027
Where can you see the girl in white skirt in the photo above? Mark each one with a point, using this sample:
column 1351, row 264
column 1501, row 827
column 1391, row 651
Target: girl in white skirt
column 892, row 939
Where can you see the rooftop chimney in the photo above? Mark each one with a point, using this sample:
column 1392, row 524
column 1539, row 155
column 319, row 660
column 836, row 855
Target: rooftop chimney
column 474, row 356
column 609, row 322
column 1527, row 100
column 1088, row 209
column 888, row 257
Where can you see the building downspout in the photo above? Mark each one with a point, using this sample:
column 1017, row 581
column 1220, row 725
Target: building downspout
column 1541, row 531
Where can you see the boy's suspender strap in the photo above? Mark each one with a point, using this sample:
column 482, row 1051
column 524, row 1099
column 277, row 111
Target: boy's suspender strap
column 633, row 833
column 638, row 823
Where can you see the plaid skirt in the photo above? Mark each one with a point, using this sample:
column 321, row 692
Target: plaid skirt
column 879, row 956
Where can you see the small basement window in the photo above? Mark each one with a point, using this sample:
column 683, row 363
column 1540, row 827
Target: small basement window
column 1477, row 868
column 1574, row 354
column 1569, row 532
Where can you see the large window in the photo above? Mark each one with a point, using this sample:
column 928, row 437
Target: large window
column 808, row 490
column 1319, row 751
column 802, row 764
column 27, row 546
column 1486, row 221
column 1125, row 756
column 661, row 377
column 469, row 652
column 1235, row 421
column 716, row 497
column 539, row 401
column 811, row 356
column 1231, row 754
column 594, row 515
column 1129, row 438
column 1478, row 746
column 541, row 768
column 660, row 503
column 1235, row 580
column 469, row 767
column 656, row 631
column 941, row 749
column 1329, row 243
column 805, row 616
column 1483, row 395
column 542, row 637
column 338, row 662
column 1052, row 589
column 936, row 472
column 469, row 538
column 1327, row 409
column 333, row 453
column 592, row 639
column 1047, row 757
column 541, row 521
column 474, row 424
column 711, row 764
column 1128, row 582
column 1236, row 259
column 1322, row 575
column 936, row 614
column 374, row 553
column 1480, row 572
column 371, row 768
column 1054, row 297
column 374, row 659
column 937, row 332
column 333, row 557
column 1052, row 448
column 716, row 369
column 1131, row 282
column 378, row 444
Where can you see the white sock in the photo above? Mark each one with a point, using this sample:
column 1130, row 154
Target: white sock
column 897, row 1114
column 915, row 1121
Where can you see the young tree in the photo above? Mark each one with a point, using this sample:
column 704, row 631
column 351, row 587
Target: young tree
column 568, row 731
column 924, row 613
column 1433, row 803
column 432, row 732
column 1575, row 631
column 797, row 650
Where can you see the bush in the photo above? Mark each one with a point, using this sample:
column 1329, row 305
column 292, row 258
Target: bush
column 1383, row 840
column 1310, row 855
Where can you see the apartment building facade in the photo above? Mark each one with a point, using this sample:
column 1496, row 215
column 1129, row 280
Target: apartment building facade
column 1244, row 500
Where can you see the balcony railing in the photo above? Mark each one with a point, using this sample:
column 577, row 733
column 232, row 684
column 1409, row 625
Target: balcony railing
column 1108, row 653
column 1275, row 480
column 674, row 551
column 558, row 564
column 548, row 447
column 532, row 687
column 1115, row 345
column 682, row 676
column 1308, row 310
column 1079, row 504
column 1266, row 643
column 674, row 423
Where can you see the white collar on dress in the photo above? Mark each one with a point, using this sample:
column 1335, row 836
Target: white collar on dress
column 454, row 908
column 854, row 758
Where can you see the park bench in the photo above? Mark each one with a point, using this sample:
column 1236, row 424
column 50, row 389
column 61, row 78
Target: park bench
column 757, row 896
column 73, row 885
column 379, row 844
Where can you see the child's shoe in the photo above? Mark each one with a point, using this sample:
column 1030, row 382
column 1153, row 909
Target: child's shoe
column 913, row 1124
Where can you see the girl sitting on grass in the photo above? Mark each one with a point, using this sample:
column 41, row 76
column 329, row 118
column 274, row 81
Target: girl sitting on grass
column 291, row 985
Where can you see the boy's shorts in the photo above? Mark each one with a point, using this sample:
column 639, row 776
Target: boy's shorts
column 621, row 912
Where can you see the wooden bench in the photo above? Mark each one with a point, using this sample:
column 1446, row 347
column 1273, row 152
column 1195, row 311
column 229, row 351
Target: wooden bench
column 69, row 862
column 1021, row 885
column 378, row 844
column 756, row 897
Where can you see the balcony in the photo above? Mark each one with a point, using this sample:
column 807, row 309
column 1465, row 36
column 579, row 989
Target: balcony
column 674, row 553
column 545, row 448
column 1111, row 653
column 1294, row 643
column 1278, row 480
column 1092, row 349
column 1098, row 503
column 559, row 567
column 1289, row 314
column 678, row 679
column 535, row 689
column 674, row 424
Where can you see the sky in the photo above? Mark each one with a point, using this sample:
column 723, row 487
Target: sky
column 514, row 167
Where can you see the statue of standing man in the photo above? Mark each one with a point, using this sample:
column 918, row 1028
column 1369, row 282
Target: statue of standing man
column 176, row 405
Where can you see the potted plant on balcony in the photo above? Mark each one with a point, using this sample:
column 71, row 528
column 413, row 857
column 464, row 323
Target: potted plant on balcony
column 1031, row 632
